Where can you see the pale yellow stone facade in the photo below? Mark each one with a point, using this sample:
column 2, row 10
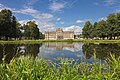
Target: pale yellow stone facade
column 59, row 34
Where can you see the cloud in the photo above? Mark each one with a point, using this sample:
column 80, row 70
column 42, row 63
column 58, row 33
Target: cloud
column 76, row 29
column 29, row 3
column 41, row 18
column 80, row 21
column 35, row 14
column 62, row 22
column 77, row 47
column 112, row 4
column 117, row 10
column 106, row 3
column 43, row 26
column 32, row 12
column 83, row 20
column 103, row 18
column 96, row 3
column 109, row 2
column 58, row 19
column 57, row 6
column 4, row 7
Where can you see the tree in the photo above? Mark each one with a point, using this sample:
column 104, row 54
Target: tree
column 5, row 23
column 87, row 29
column 118, row 24
column 102, row 29
column 111, row 20
column 8, row 28
column 42, row 36
column 109, row 28
column 31, row 31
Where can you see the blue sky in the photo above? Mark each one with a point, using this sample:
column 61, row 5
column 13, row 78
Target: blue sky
column 70, row 15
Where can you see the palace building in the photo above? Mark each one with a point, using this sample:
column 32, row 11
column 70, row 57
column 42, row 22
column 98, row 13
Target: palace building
column 59, row 34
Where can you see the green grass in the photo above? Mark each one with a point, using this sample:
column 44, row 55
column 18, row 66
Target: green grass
column 27, row 68
column 40, row 41
column 22, row 42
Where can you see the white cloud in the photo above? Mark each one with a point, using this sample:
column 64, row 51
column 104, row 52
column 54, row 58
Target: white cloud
column 103, row 18
column 42, row 19
column 117, row 10
column 57, row 6
column 77, row 47
column 112, row 4
column 58, row 19
column 23, row 21
column 76, row 29
column 96, row 3
column 35, row 14
column 83, row 21
column 109, row 2
column 80, row 21
column 43, row 26
column 4, row 7
column 29, row 3
column 62, row 22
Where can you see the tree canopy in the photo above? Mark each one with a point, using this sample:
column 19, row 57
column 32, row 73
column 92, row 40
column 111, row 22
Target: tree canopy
column 10, row 28
column 109, row 29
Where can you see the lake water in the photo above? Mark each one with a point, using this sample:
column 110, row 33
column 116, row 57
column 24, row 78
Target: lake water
column 55, row 51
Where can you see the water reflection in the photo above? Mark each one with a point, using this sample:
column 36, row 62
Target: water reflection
column 13, row 50
column 59, row 45
column 58, row 50
column 53, row 50
column 102, row 51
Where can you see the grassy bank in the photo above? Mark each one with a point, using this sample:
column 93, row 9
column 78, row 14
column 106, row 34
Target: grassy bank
column 26, row 68
column 40, row 41
column 22, row 42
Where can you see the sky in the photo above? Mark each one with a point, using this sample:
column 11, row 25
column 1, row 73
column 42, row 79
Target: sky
column 70, row 15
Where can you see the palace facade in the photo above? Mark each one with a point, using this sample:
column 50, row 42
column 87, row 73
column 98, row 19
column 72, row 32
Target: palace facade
column 59, row 34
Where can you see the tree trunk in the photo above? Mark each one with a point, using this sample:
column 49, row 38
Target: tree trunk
column 114, row 37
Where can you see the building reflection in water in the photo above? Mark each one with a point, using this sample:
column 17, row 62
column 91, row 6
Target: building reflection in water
column 58, row 45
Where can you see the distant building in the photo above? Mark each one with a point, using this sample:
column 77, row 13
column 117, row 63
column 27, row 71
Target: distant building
column 59, row 34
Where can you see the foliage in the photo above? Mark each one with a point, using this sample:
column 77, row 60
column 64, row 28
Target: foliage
column 109, row 28
column 31, row 30
column 29, row 68
column 87, row 30
column 8, row 28
column 42, row 36
column 11, row 29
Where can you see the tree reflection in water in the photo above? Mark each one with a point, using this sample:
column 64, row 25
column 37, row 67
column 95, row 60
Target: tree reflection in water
column 61, row 50
column 102, row 51
column 13, row 50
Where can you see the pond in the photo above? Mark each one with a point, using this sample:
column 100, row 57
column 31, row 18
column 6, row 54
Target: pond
column 55, row 51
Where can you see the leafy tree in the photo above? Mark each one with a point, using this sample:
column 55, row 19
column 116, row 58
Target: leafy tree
column 95, row 31
column 8, row 28
column 31, row 31
column 111, row 20
column 118, row 25
column 42, row 36
column 87, row 29
column 102, row 29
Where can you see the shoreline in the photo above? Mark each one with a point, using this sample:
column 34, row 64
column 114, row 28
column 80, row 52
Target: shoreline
column 41, row 41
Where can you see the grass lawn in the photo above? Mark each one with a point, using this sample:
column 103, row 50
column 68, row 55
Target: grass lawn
column 40, row 41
